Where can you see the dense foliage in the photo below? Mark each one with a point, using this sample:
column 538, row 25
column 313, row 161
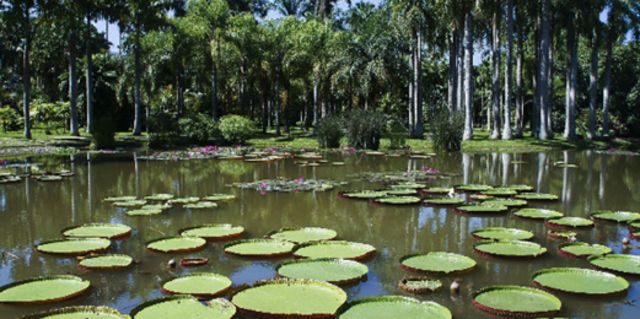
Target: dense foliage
column 235, row 129
column 447, row 131
column 329, row 131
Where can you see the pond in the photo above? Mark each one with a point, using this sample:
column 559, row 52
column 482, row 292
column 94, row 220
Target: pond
column 32, row 212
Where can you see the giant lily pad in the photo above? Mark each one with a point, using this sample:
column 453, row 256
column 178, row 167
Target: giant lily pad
column 144, row 212
column 577, row 249
column 509, row 248
column 201, row 205
column 130, row 203
column 502, row 233
column 184, row 307
column 516, row 301
column 299, row 298
column 74, row 246
column 201, row 285
column 335, row 271
column 562, row 234
column 219, row 197
column 80, row 312
column 304, row 235
column 483, row 209
column 444, row 201
column 420, row 285
column 572, row 222
column 438, row 190
column 44, row 290
column 214, row 231
column 500, row 192
column 259, row 248
column 335, row 249
column 506, row 202
column 178, row 244
column 401, row 191
column 580, row 281
column 519, row 187
column 473, row 187
column 537, row 197
column 398, row 200
column 634, row 224
column 366, row 194
column 537, row 213
column 438, row 262
column 120, row 199
column 159, row 197
column 183, row 200
column 397, row 307
column 106, row 262
column 615, row 216
column 621, row 263
column 408, row 185
column 98, row 230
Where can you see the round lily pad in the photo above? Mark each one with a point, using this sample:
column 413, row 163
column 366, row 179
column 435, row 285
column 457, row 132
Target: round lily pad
column 159, row 197
column 572, row 222
column 559, row 234
column 367, row 194
column 398, row 200
column 634, row 224
column 214, row 231
column 500, row 192
column 98, row 230
column 420, row 285
column 519, row 187
column 578, row 249
column 502, row 233
column 184, row 307
column 131, row 203
column 184, row 200
column 79, row 312
column 144, row 212
column 479, row 197
column 516, row 301
column 397, row 307
column 615, row 216
column 44, row 290
column 438, row 190
column 537, row 213
column 537, row 197
column 444, row 201
column 335, row 249
column 408, row 186
column 74, row 246
column 580, row 281
column 621, row 263
column 201, row 285
column 304, row 235
column 219, row 197
column 291, row 298
column 506, row 202
column 483, row 209
column 473, row 187
column 259, row 248
column 120, row 199
column 509, row 248
column 106, row 262
column 401, row 191
column 437, row 262
column 48, row 178
column 178, row 244
column 201, row 205
column 335, row 271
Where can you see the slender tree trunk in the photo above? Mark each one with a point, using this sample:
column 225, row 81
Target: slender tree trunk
column 460, row 45
column 495, row 74
column 180, row 88
column 606, row 92
column 570, row 112
column 89, row 75
column 73, row 84
column 453, row 72
column 519, row 85
column 26, row 73
column 412, row 66
column 316, row 88
column 550, row 87
column 417, row 96
column 593, row 83
column 277, row 103
column 137, row 121
column 508, row 76
column 545, row 46
column 468, row 76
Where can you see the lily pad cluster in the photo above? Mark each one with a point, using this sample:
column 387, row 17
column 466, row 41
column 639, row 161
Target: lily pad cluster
column 290, row 185
column 156, row 204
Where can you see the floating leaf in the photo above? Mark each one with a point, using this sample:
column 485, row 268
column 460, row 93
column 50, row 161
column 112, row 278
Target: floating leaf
column 577, row 249
column 214, row 231
column 201, row 205
column 516, row 301
column 500, row 192
column 98, row 230
column 201, row 285
column 537, row 197
column 482, row 209
column 509, row 248
column 74, row 246
column 444, row 201
column 506, row 202
column 537, row 213
column 438, row 190
column 106, row 262
column 120, row 199
column 364, row 194
column 572, row 222
column 131, row 203
column 259, row 248
column 335, row 249
column 178, row 244
column 184, row 307
column 184, row 200
column 615, row 216
column 473, row 187
column 44, row 290
column 419, row 285
column 219, row 197
column 438, row 262
column 304, row 235
column 159, row 197
column 401, row 191
column 502, row 233
column 335, row 271
column 621, row 263
column 398, row 200
column 408, row 185
column 397, row 307
column 144, row 212
column 580, row 281
column 80, row 312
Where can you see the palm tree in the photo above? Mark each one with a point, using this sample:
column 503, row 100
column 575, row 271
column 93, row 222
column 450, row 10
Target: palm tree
column 508, row 76
column 495, row 61
column 468, row 73
column 543, row 79
column 594, row 20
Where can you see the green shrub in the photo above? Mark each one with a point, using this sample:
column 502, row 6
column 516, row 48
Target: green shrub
column 198, row 128
column 9, row 118
column 50, row 116
column 447, row 131
column 163, row 128
column 329, row 132
column 397, row 134
column 364, row 128
column 235, row 129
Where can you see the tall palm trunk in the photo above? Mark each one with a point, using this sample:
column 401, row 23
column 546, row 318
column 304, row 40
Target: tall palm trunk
column 495, row 74
column 468, row 76
column 316, row 95
column 606, row 92
column 26, row 73
column 572, row 82
column 73, row 84
column 137, row 120
column 593, row 83
column 519, row 84
column 418, row 130
column 460, row 58
column 89, row 74
column 412, row 66
column 453, row 72
column 545, row 46
column 508, row 74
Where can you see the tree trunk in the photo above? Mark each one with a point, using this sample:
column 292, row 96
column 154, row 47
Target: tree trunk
column 508, row 76
column 468, row 76
column 316, row 88
column 519, row 85
column 26, row 74
column 411, row 90
column 89, row 75
column 495, row 74
column 460, row 45
column 277, row 103
column 570, row 111
column 137, row 120
column 452, row 92
column 606, row 92
column 545, row 35
column 593, row 83
column 417, row 95
column 180, row 88
column 73, row 84
column 214, row 91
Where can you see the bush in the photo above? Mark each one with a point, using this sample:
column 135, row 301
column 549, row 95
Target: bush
column 447, row 131
column 364, row 128
column 235, row 129
column 329, row 132
column 9, row 118
column 163, row 128
column 397, row 134
column 198, row 128
column 50, row 116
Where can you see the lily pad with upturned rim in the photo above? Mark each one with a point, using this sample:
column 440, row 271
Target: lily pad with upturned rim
column 438, row 190
column 580, row 281
column 184, row 200
column 615, row 216
column 259, row 248
column 506, row 202
column 444, row 201
column 516, row 301
column 335, row 271
column 419, row 285
column 500, row 192
column 106, row 262
column 578, row 249
column 501, row 233
column 214, row 231
column 509, row 248
column 159, row 197
column 44, row 290
column 131, row 203
column 398, row 200
column 559, row 234
column 184, row 307
column 537, row 196
column 74, row 246
column 290, row 298
column 408, row 185
column 621, row 263
column 304, row 234
column 473, row 187
column 519, row 187
column 120, row 199
column 437, row 262
column 201, row 285
column 201, row 205
column 366, row 194
column 537, row 213
column 144, row 212
column 401, row 192
column 571, row 222
column 219, row 197
column 397, row 307
column 98, row 230
column 335, row 249
column 79, row 312
column 634, row 224
column 178, row 244
column 482, row 209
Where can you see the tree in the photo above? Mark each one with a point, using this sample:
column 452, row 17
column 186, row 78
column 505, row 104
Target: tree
column 544, row 66
column 468, row 74
column 495, row 73
column 508, row 75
